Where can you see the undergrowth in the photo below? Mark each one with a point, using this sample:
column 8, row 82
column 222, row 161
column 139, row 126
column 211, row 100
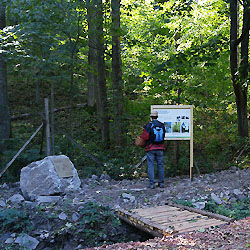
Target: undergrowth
column 97, row 224
column 11, row 219
column 216, row 145
column 236, row 210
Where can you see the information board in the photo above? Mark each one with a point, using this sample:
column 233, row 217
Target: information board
column 178, row 122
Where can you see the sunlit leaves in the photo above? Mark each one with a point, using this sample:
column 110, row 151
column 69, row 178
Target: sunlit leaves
column 181, row 45
column 44, row 34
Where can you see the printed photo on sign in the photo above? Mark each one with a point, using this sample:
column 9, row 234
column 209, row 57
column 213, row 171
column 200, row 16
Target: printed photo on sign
column 168, row 127
column 176, row 127
column 185, row 127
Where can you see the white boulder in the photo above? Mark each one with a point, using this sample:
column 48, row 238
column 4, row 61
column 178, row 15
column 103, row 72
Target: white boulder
column 51, row 176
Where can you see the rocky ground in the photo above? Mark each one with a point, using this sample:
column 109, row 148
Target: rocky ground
column 56, row 222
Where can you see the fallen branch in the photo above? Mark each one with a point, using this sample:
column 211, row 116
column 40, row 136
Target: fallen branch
column 141, row 161
column 91, row 156
column 197, row 168
column 241, row 152
column 23, row 116
column 19, row 152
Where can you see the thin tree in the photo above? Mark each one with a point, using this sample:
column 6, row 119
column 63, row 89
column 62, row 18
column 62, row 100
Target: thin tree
column 101, row 91
column 4, row 106
column 92, row 75
column 239, row 71
column 117, row 73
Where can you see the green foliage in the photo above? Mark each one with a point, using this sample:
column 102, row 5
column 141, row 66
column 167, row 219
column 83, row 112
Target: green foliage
column 186, row 58
column 172, row 52
column 117, row 170
column 214, row 138
column 187, row 203
column 43, row 38
column 31, row 153
column 236, row 210
column 242, row 158
column 94, row 221
column 14, row 220
column 180, row 167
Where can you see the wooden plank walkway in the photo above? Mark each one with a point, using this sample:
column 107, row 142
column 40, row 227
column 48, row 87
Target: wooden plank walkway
column 171, row 219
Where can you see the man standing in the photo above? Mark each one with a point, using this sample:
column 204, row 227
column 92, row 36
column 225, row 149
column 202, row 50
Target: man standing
column 153, row 134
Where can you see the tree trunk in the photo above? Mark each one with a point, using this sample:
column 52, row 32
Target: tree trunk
column 38, row 84
column 242, row 117
column 92, row 75
column 234, row 31
column 71, row 88
column 101, row 80
column 4, row 106
column 117, row 73
column 239, row 75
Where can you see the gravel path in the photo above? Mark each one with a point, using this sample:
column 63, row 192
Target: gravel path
column 223, row 187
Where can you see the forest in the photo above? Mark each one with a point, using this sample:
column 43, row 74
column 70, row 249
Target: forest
column 107, row 63
column 100, row 65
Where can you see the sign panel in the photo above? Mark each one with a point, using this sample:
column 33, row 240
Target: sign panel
column 177, row 120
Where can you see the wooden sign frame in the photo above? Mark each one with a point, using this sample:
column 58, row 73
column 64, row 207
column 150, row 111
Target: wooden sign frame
column 178, row 121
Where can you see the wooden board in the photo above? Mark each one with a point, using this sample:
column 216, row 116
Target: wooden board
column 171, row 219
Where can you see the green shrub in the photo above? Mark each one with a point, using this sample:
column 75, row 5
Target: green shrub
column 14, row 220
column 236, row 210
column 187, row 203
column 97, row 222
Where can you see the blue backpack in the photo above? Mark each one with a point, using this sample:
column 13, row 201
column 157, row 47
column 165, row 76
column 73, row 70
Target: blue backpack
column 157, row 133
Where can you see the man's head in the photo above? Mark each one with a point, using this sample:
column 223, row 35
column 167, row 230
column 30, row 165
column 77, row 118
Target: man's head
column 154, row 114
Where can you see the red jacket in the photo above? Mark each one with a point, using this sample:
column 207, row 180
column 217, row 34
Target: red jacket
column 146, row 136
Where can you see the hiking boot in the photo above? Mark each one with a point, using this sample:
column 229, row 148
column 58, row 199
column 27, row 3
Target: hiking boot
column 161, row 185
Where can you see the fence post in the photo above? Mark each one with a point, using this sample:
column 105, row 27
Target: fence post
column 52, row 120
column 48, row 145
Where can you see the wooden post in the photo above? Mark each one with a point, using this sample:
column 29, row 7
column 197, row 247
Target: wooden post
column 191, row 145
column 52, row 120
column 42, row 138
column 48, row 145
